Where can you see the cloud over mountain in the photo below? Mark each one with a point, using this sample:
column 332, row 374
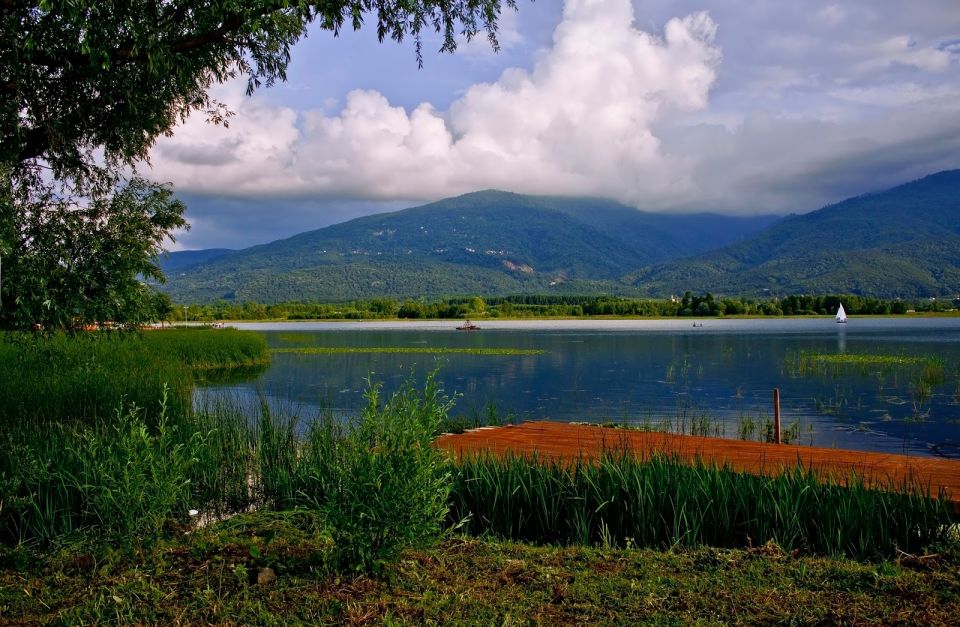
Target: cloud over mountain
column 807, row 102
column 579, row 122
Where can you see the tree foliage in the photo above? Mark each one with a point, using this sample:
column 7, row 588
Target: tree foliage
column 72, row 265
column 83, row 75
column 86, row 87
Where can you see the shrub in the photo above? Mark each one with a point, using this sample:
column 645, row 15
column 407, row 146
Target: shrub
column 380, row 483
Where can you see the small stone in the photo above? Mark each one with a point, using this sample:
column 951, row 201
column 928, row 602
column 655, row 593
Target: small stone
column 266, row 575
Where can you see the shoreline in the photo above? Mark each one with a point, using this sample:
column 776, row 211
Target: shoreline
column 483, row 319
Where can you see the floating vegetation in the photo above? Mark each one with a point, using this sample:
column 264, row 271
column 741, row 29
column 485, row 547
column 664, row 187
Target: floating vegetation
column 430, row 350
column 916, row 376
column 930, row 369
column 848, row 358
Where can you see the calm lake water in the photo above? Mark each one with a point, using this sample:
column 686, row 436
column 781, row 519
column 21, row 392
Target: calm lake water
column 715, row 378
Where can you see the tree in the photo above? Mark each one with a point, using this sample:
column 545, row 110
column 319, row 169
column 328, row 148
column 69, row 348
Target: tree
column 74, row 265
column 87, row 86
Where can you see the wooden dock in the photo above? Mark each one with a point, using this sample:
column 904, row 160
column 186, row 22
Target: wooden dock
column 555, row 440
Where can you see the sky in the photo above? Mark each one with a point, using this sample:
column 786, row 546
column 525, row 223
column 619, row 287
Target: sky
column 734, row 106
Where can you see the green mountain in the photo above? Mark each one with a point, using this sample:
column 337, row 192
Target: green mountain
column 481, row 243
column 903, row 242
column 176, row 262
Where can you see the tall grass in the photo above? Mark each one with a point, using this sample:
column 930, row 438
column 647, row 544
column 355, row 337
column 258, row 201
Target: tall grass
column 378, row 482
column 98, row 432
column 122, row 480
column 86, row 377
column 206, row 349
column 661, row 502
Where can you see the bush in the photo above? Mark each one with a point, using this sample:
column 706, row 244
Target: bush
column 381, row 484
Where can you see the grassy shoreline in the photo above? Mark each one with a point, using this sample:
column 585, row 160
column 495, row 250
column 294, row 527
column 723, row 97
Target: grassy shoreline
column 481, row 318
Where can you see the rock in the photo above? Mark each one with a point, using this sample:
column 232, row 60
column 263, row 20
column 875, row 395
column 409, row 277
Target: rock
column 265, row 576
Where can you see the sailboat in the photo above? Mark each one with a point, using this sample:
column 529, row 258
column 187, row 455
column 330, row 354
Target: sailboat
column 841, row 315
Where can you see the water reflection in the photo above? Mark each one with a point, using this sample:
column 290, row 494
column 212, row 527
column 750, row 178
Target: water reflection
column 645, row 372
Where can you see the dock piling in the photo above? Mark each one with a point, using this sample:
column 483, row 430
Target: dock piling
column 776, row 415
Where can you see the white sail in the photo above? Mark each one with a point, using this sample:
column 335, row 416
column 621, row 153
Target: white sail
column 841, row 314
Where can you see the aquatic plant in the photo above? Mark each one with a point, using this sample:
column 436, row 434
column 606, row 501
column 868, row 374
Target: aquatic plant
column 661, row 502
column 430, row 350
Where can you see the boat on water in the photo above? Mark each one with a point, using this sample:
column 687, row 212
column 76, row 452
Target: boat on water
column 468, row 326
column 841, row 315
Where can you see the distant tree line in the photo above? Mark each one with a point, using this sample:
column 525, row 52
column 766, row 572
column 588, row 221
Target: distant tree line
column 537, row 306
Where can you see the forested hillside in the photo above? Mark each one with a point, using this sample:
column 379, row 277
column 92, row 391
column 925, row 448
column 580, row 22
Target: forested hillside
column 484, row 243
column 903, row 242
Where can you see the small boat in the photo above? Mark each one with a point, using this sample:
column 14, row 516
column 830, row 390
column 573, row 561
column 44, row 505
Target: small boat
column 468, row 326
column 841, row 315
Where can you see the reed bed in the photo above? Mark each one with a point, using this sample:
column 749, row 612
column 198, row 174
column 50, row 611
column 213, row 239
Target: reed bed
column 430, row 350
column 98, row 432
column 208, row 349
column 660, row 502
column 98, row 435
column 86, row 377
column 930, row 369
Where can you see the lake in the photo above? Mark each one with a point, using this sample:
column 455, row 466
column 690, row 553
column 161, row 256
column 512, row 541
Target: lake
column 714, row 379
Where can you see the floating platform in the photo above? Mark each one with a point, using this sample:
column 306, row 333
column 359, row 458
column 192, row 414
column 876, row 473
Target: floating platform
column 563, row 441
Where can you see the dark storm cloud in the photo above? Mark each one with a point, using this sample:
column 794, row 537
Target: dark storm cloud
column 222, row 222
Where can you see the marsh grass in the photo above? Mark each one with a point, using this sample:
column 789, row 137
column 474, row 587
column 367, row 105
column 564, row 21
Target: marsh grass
column 99, row 433
column 86, row 377
column 660, row 502
column 930, row 369
column 922, row 374
column 121, row 479
column 430, row 350
column 126, row 460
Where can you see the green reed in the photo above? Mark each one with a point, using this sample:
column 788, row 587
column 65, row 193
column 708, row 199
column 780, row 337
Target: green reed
column 123, row 479
column 97, row 432
column 88, row 376
column 430, row 350
column 929, row 369
column 660, row 502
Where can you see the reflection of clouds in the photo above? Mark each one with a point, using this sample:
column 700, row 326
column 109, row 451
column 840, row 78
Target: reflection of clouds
column 618, row 376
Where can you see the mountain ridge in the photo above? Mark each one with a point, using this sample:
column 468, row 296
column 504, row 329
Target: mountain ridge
column 489, row 242
column 899, row 242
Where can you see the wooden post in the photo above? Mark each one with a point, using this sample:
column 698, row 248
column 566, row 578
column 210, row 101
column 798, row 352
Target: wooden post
column 776, row 415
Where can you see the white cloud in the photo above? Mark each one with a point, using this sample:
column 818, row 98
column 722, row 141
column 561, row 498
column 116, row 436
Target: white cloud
column 578, row 122
column 901, row 50
column 795, row 119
